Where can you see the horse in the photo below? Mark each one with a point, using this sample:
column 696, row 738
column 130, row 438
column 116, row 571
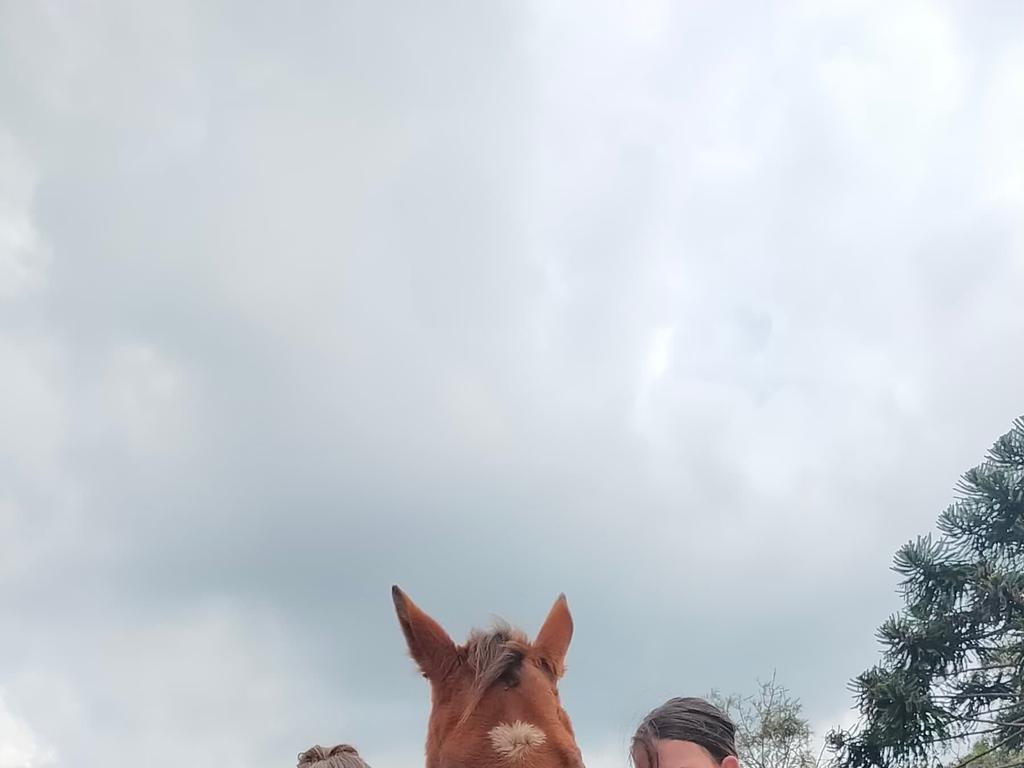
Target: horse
column 494, row 700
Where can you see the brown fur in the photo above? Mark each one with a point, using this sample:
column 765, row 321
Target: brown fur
column 492, row 656
column 497, row 683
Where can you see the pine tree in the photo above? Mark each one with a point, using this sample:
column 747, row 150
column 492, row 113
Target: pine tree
column 952, row 669
column 985, row 754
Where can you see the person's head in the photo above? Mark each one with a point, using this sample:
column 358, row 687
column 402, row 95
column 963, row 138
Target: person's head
column 685, row 733
column 339, row 756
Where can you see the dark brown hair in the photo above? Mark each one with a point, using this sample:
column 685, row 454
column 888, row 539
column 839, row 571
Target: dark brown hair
column 685, row 719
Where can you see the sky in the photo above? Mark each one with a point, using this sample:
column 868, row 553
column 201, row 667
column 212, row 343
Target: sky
column 692, row 311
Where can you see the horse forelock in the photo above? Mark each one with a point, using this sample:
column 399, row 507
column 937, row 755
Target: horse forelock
column 492, row 655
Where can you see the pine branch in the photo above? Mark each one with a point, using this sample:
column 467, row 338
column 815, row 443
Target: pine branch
column 986, row 752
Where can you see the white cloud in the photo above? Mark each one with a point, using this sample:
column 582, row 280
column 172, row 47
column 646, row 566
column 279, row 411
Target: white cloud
column 145, row 399
column 211, row 674
column 231, row 680
column 32, row 406
column 24, row 255
column 20, row 746
column 659, row 358
column 1004, row 125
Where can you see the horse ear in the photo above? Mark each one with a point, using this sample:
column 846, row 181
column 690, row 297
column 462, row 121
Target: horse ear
column 429, row 645
column 552, row 641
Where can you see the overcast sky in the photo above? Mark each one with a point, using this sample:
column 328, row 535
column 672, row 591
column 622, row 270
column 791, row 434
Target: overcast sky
column 693, row 311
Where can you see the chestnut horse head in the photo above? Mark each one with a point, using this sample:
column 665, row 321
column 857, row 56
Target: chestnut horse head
column 494, row 700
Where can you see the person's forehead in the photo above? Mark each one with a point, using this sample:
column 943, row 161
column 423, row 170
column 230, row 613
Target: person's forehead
column 683, row 754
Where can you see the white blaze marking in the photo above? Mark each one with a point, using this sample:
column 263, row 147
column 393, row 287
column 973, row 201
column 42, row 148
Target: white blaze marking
column 515, row 740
